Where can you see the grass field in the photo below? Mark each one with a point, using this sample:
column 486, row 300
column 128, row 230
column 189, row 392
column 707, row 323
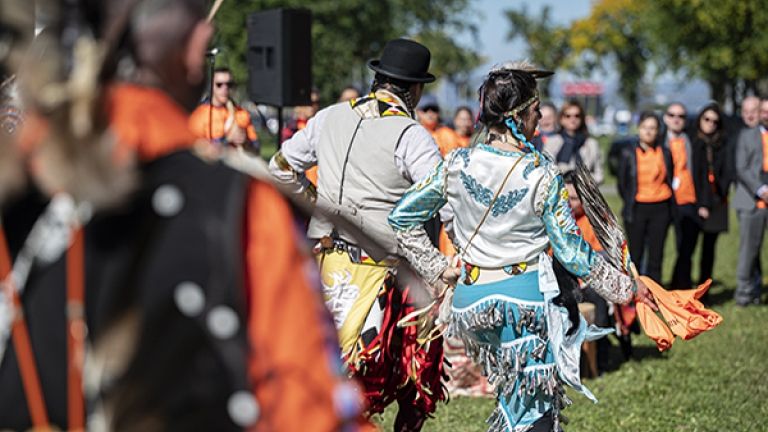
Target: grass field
column 716, row 382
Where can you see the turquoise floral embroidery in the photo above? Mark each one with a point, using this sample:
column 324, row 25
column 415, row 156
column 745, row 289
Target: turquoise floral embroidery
column 508, row 201
column 483, row 195
column 569, row 246
column 528, row 169
column 421, row 202
column 477, row 191
column 464, row 154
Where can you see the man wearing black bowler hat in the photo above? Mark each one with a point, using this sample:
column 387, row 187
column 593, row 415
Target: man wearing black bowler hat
column 369, row 151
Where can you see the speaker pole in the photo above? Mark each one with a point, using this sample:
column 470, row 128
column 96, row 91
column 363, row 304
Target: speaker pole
column 211, row 63
column 279, row 127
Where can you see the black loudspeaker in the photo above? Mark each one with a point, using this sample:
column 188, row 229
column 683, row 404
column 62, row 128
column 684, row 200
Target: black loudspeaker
column 280, row 57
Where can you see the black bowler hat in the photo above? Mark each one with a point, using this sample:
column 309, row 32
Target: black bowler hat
column 405, row 60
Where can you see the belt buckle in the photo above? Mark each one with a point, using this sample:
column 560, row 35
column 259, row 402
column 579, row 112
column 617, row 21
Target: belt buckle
column 355, row 254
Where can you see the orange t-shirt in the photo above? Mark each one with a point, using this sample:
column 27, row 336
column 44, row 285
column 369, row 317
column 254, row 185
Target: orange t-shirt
column 765, row 151
column 652, row 184
column 685, row 192
column 447, row 140
column 588, row 232
column 760, row 203
column 200, row 118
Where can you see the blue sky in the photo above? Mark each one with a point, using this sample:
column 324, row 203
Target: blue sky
column 494, row 26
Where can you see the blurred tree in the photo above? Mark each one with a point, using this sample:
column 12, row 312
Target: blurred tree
column 724, row 42
column 547, row 43
column 347, row 33
column 614, row 35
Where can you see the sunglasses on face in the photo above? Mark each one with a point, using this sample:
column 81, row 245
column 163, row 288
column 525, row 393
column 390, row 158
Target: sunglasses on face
column 229, row 84
column 431, row 108
column 673, row 115
column 711, row 120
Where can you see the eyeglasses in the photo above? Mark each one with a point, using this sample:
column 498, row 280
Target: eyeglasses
column 431, row 108
column 711, row 120
column 230, row 84
column 673, row 115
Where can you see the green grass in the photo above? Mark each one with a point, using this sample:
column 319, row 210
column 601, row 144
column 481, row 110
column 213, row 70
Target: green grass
column 715, row 382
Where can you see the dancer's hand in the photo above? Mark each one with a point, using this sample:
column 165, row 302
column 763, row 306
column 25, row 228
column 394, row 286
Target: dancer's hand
column 450, row 275
column 644, row 295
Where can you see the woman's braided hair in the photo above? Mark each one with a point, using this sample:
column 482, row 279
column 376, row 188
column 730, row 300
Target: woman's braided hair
column 504, row 89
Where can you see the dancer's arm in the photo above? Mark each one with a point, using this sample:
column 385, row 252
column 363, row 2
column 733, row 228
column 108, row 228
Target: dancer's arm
column 297, row 155
column 418, row 205
column 569, row 246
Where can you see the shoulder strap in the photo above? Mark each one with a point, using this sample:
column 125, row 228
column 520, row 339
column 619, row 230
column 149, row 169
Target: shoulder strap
column 490, row 205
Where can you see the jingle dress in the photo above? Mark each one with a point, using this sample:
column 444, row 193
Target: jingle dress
column 502, row 306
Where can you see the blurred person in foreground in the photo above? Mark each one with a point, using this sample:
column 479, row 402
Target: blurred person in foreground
column 511, row 207
column 712, row 174
column 573, row 143
column 368, row 152
column 751, row 203
column 645, row 186
column 220, row 120
column 189, row 267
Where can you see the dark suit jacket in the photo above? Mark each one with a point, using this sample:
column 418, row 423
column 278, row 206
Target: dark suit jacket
column 749, row 165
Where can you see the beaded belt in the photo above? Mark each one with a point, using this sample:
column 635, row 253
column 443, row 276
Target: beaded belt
column 474, row 274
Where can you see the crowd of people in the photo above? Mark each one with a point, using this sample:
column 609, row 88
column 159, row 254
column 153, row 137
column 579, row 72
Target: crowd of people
column 157, row 274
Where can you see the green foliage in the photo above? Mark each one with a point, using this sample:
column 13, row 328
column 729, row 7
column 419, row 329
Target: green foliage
column 721, row 41
column 715, row 382
column 614, row 31
column 548, row 45
column 347, row 33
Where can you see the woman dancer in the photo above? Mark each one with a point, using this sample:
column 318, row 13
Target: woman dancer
column 511, row 207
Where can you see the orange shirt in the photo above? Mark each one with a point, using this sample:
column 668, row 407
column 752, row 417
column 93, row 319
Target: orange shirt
column 447, row 140
column 685, row 192
column 652, row 184
column 200, row 118
column 765, row 151
column 149, row 133
column 588, row 232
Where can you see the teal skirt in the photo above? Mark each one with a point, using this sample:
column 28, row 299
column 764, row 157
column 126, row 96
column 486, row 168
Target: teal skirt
column 503, row 327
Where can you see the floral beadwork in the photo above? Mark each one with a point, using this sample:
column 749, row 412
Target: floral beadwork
column 477, row 191
column 483, row 195
column 528, row 169
column 508, row 201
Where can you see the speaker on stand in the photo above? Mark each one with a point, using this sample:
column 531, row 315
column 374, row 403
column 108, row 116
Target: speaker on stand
column 279, row 59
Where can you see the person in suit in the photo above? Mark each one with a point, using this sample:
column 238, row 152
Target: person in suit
column 750, row 201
